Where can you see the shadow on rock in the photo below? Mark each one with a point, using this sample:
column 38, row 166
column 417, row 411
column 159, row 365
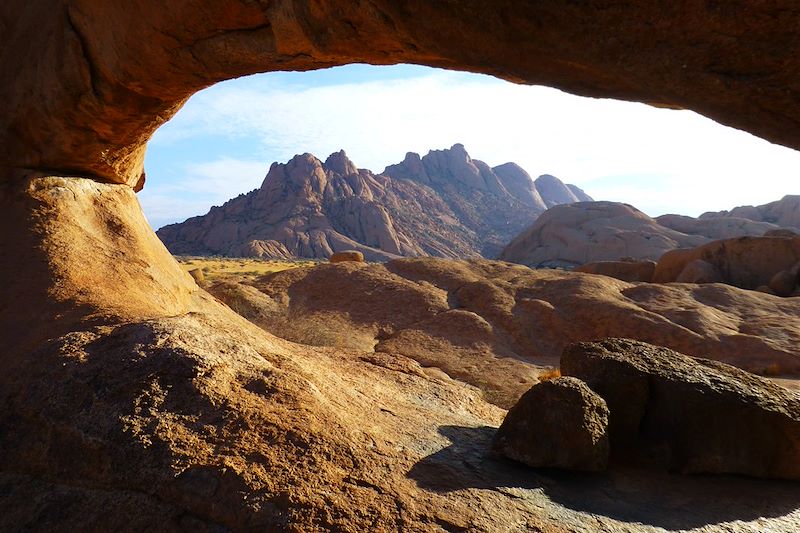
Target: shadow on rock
column 628, row 494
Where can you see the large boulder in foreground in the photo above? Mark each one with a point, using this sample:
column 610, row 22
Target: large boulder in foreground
column 559, row 423
column 688, row 414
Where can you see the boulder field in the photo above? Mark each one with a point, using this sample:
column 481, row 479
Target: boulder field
column 498, row 326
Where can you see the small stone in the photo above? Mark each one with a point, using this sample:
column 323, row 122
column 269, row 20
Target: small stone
column 197, row 274
column 347, row 255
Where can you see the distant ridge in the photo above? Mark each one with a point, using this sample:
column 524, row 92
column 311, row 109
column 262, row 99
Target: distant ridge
column 570, row 235
column 444, row 204
column 784, row 213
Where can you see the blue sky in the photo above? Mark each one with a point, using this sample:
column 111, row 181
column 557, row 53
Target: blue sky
column 223, row 141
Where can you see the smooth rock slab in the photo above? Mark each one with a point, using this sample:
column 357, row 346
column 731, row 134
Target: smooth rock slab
column 559, row 423
column 688, row 414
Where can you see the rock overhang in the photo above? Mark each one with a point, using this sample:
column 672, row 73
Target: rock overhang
column 85, row 85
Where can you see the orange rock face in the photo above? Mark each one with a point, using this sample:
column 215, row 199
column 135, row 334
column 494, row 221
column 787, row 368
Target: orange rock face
column 85, row 83
column 746, row 262
column 348, row 255
column 82, row 251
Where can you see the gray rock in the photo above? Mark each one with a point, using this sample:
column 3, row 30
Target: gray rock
column 559, row 423
column 687, row 414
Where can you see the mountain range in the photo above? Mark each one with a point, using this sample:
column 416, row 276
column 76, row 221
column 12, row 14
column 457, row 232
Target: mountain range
column 444, row 204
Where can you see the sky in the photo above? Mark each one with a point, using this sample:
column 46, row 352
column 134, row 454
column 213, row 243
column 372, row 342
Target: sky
column 222, row 142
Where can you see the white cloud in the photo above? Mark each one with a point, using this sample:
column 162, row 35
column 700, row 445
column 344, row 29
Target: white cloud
column 198, row 187
column 681, row 162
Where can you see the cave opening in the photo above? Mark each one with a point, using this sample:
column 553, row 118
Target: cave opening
column 661, row 161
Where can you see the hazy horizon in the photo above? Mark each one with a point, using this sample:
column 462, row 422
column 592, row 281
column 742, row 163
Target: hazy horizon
column 223, row 141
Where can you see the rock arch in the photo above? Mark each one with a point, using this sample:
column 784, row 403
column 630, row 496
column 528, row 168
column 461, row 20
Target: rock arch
column 131, row 400
column 86, row 82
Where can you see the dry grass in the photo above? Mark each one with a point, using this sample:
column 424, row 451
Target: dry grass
column 215, row 268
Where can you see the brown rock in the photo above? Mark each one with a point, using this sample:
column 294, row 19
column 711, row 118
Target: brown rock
column 745, row 262
column 348, row 255
column 197, row 274
column 269, row 248
column 783, row 232
column 86, row 253
column 637, row 271
column 765, row 289
column 783, row 283
column 699, row 271
column 559, row 423
column 691, row 415
column 140, row 414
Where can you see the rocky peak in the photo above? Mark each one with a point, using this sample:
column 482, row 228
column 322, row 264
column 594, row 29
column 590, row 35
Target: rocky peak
column 579, row 193
column 520, row 184
column 301, row 171
column 453, row 165
column 445, row 204
column 554, row 191
column 411, row 168
column 339, row 163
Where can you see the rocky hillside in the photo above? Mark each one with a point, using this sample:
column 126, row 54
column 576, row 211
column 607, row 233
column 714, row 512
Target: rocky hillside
column 444, row 204
column 784, row 212
column 570, row 235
